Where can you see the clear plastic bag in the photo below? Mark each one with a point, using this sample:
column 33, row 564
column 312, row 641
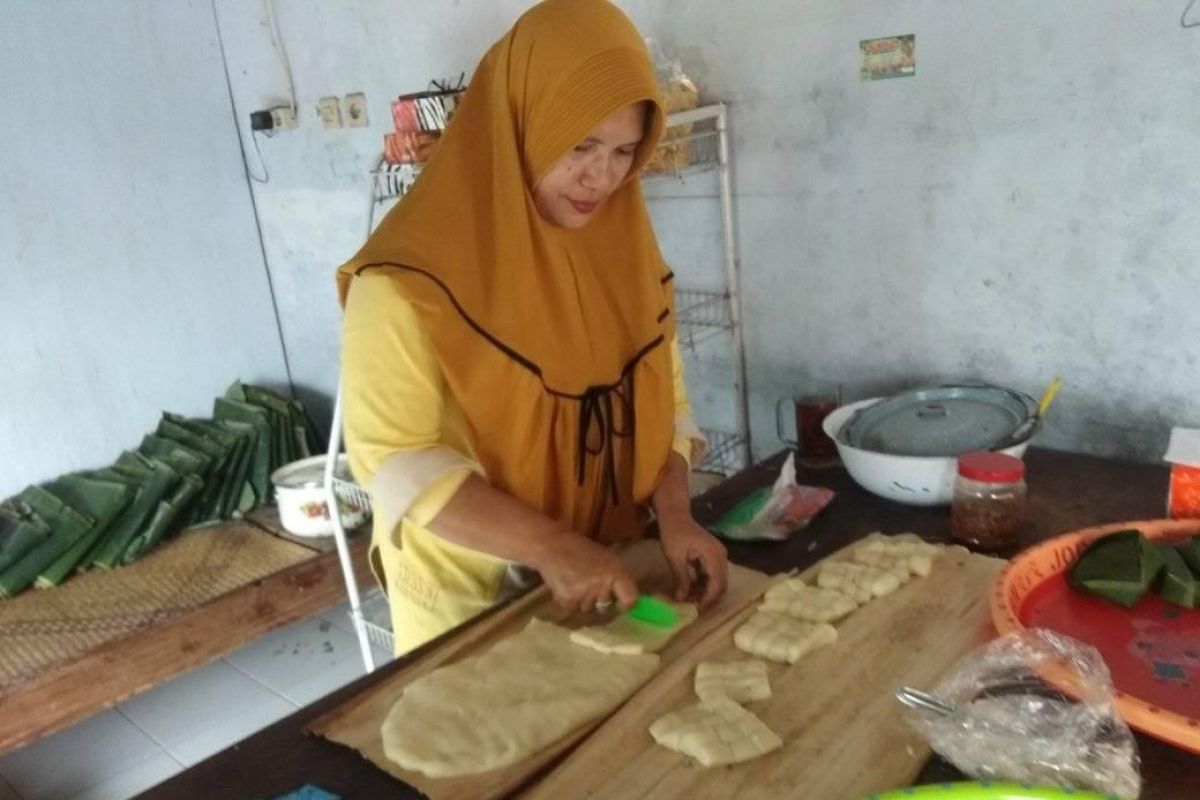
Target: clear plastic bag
column 1005, row 722
column 774, row 513
column 679, row 93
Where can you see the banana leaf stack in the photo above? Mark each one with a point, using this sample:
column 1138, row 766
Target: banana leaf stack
column 188, row 472
column 1123, row 566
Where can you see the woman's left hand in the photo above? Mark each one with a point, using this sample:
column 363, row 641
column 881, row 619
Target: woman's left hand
column 698, row 560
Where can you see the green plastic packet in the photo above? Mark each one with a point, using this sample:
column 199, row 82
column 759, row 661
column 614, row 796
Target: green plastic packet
column 773, row 513
column 741, row 514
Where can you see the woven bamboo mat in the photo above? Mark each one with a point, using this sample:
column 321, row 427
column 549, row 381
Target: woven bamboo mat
column 45, row 627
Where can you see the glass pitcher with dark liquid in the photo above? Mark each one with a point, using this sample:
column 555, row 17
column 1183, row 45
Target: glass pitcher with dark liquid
column 809, row 406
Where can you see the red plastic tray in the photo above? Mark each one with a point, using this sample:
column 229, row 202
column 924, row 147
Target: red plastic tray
column 1152, row 649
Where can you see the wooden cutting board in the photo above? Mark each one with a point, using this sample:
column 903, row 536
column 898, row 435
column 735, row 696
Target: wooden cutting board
column 843, row 730
column 357, row 723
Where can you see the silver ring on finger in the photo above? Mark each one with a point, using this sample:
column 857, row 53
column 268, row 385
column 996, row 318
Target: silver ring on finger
column 603, row 605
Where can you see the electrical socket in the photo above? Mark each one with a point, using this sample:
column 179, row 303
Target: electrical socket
column 283, row 118
column 330, row 112
column 356, row 109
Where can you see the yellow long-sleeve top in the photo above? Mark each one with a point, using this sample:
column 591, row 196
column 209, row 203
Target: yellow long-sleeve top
column 407, row 441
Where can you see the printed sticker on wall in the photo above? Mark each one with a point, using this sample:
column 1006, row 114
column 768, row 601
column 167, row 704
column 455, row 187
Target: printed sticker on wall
column 889, row 57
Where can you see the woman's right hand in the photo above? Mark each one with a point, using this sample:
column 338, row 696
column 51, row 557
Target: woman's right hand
column 581, row 574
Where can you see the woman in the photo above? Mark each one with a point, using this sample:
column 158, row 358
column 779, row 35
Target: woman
column 512, row 389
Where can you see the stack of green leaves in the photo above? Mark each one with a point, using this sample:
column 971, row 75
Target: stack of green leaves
column 22, row 530
column 292, row 433
column 189, row 472
column 66, row 526
column 163, row 483
column 1122, row 567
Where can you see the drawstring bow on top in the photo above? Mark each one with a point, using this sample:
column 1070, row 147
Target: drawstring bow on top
column 596, row 410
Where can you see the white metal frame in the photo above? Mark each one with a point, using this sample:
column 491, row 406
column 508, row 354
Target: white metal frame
column 701, row 314
column 335, row 490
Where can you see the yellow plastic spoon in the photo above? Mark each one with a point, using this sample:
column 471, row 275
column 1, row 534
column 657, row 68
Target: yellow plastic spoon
column 1049, row 395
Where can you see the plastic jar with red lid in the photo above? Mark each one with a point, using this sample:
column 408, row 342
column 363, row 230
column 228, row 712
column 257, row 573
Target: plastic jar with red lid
column 987, row 511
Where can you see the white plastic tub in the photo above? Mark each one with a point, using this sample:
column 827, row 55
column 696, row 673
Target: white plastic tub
column 300, row 495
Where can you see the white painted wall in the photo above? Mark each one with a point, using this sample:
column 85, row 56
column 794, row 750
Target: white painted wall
column 313, row 207
column 131, row 277
column 1028, row 204
column 1025, row 206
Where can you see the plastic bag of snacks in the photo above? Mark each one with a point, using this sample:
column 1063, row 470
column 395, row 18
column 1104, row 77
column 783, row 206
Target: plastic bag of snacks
column 678, row 94
column 419, row 120
column 774, row 513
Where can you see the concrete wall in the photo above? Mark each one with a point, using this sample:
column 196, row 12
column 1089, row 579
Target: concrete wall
column 313, row 207
column 131, row 276
column 1023, row 207
column 1027, row 205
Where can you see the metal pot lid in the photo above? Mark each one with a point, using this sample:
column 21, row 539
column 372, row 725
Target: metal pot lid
column 940, row 422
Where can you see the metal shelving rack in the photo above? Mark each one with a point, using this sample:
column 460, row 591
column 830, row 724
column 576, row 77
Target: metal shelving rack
column 389, row 183
column 702, row 145
column 701, row 315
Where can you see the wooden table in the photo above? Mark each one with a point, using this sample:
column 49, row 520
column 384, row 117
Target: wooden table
column 1066, row 491
column 123, row 667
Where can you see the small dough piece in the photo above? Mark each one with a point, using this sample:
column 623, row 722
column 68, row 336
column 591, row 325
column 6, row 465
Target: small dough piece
column 897, row 565
column 495, row 709
column 810, row 603
column 778, row 637
column 860, row 581
column 626, row 636
column 715, row 732
column 920, row 554
column 740, row 681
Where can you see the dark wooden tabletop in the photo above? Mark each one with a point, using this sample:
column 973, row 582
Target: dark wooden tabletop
column 1066, row 492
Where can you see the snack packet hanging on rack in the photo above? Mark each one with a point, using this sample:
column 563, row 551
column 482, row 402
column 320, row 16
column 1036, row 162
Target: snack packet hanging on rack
column 674, row 152
column 774, row 513
column 419, row 119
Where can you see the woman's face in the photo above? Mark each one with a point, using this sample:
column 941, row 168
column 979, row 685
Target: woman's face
column 579, row 182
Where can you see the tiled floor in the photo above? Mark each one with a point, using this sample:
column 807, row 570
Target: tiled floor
column 124, row 750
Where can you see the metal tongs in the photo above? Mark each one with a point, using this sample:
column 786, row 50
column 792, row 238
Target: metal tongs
column 923, row 701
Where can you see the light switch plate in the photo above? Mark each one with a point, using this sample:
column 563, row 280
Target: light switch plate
column 330, row 112
column 356, row 110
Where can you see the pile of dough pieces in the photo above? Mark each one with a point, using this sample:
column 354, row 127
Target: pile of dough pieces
column 495, row 709
column 793, row 620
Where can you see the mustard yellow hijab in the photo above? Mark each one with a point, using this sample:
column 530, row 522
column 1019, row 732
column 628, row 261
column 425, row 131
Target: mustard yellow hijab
column 554, row 342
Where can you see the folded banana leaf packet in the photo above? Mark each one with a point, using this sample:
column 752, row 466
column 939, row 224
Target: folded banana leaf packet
column 1122, row 567
column 1179, row 583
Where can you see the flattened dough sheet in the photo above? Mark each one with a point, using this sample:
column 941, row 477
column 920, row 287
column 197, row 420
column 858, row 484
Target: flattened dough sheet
column 497, row 708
